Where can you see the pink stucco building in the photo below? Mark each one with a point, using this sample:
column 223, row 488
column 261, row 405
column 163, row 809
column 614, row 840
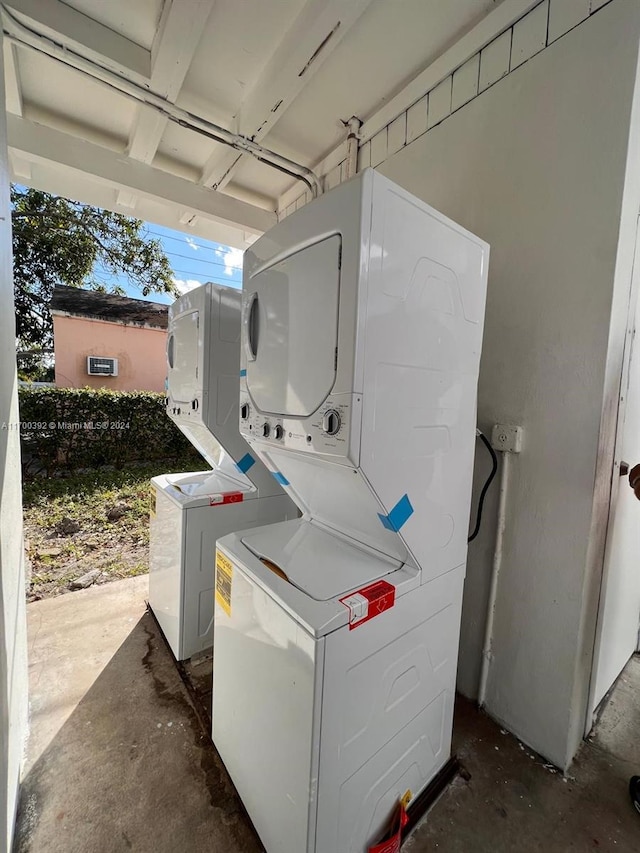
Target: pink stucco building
column 102, row 340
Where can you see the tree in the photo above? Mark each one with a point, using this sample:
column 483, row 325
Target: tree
column 58, row 241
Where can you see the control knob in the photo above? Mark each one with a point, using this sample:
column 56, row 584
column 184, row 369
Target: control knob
column 331, row 422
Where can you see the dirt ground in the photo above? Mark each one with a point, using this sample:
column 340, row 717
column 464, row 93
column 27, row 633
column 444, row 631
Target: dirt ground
column 89, row 528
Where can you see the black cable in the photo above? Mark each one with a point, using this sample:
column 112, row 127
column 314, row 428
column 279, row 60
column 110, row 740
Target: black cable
column 485, row 488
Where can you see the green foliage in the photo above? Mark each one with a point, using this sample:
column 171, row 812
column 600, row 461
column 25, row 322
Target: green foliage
column 94, row 486
column 66, row 429
column 118, row 548
column 35, row 366
column 57, row 241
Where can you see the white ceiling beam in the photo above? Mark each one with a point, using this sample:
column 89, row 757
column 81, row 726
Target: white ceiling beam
column 179, row 33
column 57, row 180
column 13, row 95
column 84, row 35
column 146, row 133
column 13, row 90
column 311, row 39
column 20, row 167
column 38, row 143
column 126, row 199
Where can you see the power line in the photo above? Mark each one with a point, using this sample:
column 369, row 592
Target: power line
column 212, row 245
column 191, row 257
column 191, row 272
column 107, row 278
column 205, row 279
column 178, row 239
column 171, row 254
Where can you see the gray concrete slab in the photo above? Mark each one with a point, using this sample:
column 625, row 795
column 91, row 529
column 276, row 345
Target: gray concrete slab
column 120, row 760
column 514, row 801
column 71, row 640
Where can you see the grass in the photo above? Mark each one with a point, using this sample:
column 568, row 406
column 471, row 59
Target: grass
column 118, row 546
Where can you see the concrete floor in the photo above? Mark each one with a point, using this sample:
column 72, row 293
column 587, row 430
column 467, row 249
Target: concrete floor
column 512, row 801
column 119, row 758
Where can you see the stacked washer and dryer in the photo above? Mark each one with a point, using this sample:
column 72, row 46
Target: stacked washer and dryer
column 352, row 375
column 336, row 634
column 194, row 509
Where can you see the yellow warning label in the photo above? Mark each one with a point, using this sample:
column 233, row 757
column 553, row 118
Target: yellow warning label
column 224, row 576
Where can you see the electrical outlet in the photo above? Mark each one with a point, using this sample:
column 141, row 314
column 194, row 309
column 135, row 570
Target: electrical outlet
column 506, row 438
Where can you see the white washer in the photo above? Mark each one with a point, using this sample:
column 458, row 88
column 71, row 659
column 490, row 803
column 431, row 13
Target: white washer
column 336, row 636
column 323, row 728
column 192, row 510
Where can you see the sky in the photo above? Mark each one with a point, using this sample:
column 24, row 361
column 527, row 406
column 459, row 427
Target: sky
column 194, row 261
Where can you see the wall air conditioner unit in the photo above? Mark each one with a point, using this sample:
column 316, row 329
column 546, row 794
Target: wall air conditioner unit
column 101, row 366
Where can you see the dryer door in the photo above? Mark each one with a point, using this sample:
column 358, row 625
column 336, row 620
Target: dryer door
column 290, row 330
column 184, row 354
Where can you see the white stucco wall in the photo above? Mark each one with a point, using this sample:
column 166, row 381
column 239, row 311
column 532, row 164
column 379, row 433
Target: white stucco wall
column 13, row 661
column 536, row 166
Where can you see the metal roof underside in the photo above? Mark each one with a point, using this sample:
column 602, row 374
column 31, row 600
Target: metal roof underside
column 286, row 74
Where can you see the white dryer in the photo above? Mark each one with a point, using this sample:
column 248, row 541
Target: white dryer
column 336, row 635
column 193, row 510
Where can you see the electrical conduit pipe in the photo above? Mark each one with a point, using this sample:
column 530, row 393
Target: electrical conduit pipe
column 487, row 649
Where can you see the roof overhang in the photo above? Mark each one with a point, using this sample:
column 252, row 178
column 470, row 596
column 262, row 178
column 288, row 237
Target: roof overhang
column 133, row 106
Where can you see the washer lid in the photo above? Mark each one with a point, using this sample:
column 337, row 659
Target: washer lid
column 203, row 488
column 315, row 562
column 321, row 564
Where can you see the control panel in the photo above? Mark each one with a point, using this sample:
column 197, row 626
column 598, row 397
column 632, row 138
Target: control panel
column 184, row 408
column 327, row 431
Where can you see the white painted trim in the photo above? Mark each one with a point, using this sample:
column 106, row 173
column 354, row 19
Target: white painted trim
column 495, row 23
column 38, row 143
column 13, row 89
column 494, row 31
column 330, row 162
column 179, row 33
column 312, row 38
column 492, row 26
column 147, row 130
column 174, row 47
column 90, row 38
column 16, row 32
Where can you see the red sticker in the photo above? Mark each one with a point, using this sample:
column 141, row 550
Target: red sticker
column 369, row 602
column 393, row 840
column 226, row 498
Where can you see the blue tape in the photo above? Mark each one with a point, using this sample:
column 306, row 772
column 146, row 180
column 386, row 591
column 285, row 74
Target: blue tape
column 280, row 478
column 243, row 372
column 398, row 515
column 245, row 463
